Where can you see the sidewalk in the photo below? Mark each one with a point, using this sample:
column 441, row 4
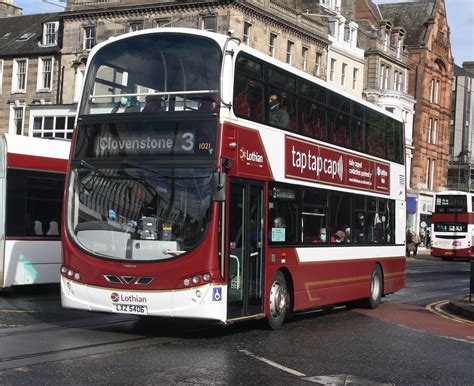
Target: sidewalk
column 459, row 306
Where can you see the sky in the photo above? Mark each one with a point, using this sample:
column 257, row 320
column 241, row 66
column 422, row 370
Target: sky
column 460, row 20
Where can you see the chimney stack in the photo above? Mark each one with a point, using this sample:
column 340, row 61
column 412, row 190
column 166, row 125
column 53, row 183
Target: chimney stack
column 7, row 9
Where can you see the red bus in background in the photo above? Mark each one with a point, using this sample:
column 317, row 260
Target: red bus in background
column 226, row 187
column 452, row 226
column 32, row 173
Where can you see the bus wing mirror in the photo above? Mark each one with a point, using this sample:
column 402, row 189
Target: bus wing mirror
column 219, row 186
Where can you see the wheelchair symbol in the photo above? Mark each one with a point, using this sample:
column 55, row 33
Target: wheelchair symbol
column 217, row 294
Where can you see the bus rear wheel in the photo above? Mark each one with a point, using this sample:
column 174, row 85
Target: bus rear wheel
column 376, row 288
column 279, row 301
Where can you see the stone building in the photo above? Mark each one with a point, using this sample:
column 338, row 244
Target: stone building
column 277, row 28
column 30, row 75
column 387, row 65
column 461, row 130
column 430, row 82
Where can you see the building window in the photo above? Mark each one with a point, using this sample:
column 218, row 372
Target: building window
column 247, row 30
column 272, row 44
column 89, row 37
column 19, row 75
column 432, row 90
column 435, row 132
column 386, row 41
column 332, row 28
column 50, row 33
column 18, row 114
column 304, row 58
column 332, row 69
column 135, row 26
column 430, row 173
column 290, row 48
column 349, row 34
column 332, row 4
column 399, row 48
column 317, row 68
column 45, row 74
column 355, row 76
column 209, row 23
column 397, row 81
column 430, row 129
column 384, row 70
column 436, row 92
column 53, row 126
column 343, row 74
column 163, row 22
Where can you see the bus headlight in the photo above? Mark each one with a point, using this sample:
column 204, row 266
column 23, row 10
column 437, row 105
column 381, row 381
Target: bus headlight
column 71, row 274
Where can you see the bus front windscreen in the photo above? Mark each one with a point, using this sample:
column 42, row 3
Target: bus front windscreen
column 153, row 73
column 136, row 212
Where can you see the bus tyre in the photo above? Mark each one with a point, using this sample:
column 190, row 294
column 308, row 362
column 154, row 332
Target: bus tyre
column 279, row 302
column 376, row 288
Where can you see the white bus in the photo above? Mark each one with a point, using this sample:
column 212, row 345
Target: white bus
column 452, row 226
column 32, row 172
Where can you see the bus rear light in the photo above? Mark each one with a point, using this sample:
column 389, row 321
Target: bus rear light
column 456, row 243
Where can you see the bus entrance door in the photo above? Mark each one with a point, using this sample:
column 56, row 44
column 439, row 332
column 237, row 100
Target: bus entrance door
column 245, row 249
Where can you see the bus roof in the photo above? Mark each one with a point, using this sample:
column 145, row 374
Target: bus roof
column 220, row 39
column 39, row 147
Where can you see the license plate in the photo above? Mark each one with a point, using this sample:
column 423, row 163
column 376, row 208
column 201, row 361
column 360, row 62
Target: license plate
column 130, row 309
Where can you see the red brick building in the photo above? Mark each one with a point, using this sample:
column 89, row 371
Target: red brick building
column 430, row 79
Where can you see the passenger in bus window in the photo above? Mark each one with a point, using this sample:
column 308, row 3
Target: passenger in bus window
column 360, row 228
column 208, row 103
column 347, row 235
column 127, row 105
column 321, row 238
column 154, row 104
column 278, row 116
column 338, row 237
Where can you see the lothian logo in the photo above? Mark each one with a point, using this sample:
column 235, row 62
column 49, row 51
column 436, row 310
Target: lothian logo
column 245, row 155
column 115, row 297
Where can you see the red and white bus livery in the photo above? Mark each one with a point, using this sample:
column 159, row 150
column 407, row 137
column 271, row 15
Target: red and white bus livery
column 208, row 180
column 452, row 225
column 32, row 173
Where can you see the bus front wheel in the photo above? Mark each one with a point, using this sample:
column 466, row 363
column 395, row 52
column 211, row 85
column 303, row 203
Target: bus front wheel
column 279, row 301
column 376, row 288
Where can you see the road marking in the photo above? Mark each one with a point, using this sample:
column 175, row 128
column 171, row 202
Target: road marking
column 17, row 311
column 334, row 380
column 274, row 364
column 435, row 308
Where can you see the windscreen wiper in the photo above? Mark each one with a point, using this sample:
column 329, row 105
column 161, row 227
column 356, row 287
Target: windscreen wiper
column 92, row 168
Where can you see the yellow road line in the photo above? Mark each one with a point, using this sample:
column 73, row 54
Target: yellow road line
column 435, row 308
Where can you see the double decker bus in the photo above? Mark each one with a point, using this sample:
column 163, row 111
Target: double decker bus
column 452, row 225
column 32, row 174
column 208, row 180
